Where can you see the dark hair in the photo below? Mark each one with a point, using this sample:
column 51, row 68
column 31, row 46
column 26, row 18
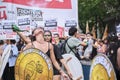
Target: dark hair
column 50, row 34
column 56, row 34
column 112, row 37
column 1, row 42
column 89, row 33
column 13, row 41
column 32, row 37
column 72, row 31
column 101, row 41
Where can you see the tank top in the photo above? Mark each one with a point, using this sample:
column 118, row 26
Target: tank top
column 48, row 52
column 55, row 71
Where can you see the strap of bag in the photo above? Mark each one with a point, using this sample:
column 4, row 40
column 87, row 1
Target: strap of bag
column 70, row 48
column 76, row 54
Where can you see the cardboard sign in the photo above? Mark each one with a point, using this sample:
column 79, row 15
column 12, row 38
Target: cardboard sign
column 4, row 59
column 6, row 29
column 102, row 69
column 74, row 66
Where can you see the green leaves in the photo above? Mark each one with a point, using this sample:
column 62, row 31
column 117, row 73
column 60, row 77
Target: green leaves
column 90, row 10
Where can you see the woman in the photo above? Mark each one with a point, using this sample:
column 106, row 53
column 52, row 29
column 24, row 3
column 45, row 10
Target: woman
column 48, row 38
column 38, row 43
column 102, row 47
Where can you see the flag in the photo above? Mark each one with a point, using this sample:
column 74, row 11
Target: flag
column 105, row 34
column 93, row 32
column 87, row 27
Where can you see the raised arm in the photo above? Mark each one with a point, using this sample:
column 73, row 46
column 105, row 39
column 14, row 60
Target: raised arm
column 20, row 33
column 25, row 38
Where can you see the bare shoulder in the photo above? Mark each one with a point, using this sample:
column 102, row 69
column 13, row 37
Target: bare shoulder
column 29, row 45
column 118, row 50
column 51, row 45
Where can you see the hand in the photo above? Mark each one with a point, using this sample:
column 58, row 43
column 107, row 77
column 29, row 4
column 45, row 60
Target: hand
column 15, row 28
column 88, row 55
column 70, row 74
column 65, row 76
column 68, row 71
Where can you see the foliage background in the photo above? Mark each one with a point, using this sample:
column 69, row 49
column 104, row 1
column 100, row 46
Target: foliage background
column 99, row 13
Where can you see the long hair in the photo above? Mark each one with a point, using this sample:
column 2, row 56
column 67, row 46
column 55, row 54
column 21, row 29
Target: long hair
column 50, row 34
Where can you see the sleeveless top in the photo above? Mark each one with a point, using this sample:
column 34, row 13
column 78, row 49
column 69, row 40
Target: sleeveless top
column 55, row 71
column 48, row 52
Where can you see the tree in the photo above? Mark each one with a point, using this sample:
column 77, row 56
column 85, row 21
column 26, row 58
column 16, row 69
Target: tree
column 95, row 11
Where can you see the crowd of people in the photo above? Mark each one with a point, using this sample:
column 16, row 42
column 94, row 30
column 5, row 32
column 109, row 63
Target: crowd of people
column 84, row 47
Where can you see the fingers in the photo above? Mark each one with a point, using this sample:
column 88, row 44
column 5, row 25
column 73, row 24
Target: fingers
column 70, row 75
column 66, row 78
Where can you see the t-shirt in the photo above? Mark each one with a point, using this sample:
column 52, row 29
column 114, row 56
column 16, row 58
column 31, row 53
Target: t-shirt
column 73, row 42
column 58, row 56
column 57, row 52
column 89, row 48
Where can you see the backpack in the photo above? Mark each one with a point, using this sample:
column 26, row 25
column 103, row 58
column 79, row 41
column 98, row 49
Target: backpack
column 63, row 50
column 62, row 46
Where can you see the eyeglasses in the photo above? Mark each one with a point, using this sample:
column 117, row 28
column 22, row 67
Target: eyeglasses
column 47, row 35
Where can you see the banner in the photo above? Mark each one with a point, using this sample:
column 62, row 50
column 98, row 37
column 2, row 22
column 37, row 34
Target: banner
column 51, row 25
column 68, row 24
column 3, row 15
column 24, row 23
column 6, row 29
column 65, row 4
column 40, row 12
column 35, row 14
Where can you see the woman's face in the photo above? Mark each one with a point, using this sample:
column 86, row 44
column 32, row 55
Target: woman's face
column 47, row 36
